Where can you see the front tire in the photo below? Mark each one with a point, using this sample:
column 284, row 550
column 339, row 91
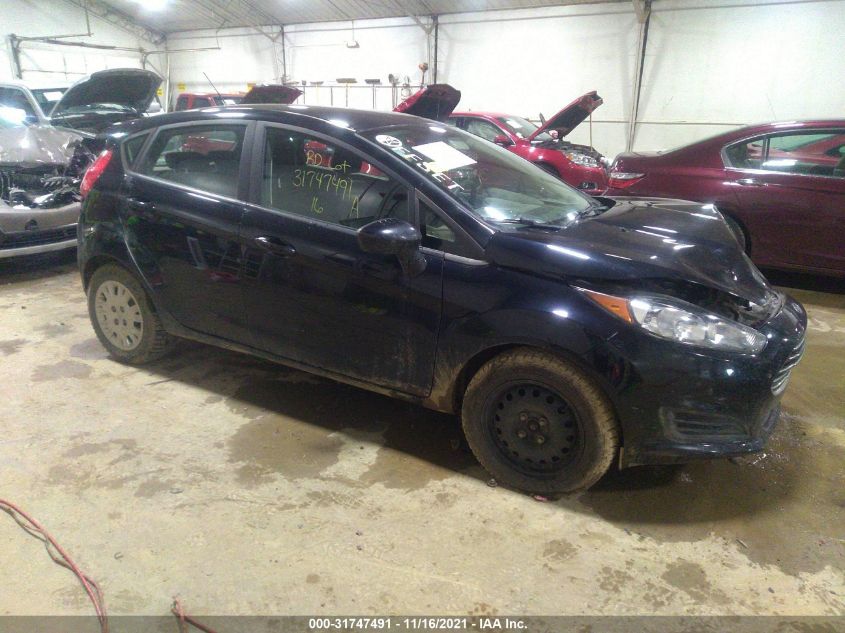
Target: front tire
column 123, row 317
column 539, row 424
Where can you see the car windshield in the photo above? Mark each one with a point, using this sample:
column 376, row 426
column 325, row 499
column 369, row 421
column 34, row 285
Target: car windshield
column 47, row 98
column 493, row 183
column 523, row 128
column 12, row 117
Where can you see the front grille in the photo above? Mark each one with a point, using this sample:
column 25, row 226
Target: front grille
column 782, row 377
column 23, row 239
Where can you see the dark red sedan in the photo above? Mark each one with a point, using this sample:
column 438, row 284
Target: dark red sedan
column 780, row 185
column 579, row 165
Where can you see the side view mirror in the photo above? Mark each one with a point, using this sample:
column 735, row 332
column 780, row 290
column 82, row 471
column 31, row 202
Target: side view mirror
column 392, row 236
column 502, row 140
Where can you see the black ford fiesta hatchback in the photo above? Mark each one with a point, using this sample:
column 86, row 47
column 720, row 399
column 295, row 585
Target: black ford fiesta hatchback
column 410, row 258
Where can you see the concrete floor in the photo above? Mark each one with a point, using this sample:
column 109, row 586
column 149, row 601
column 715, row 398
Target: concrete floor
column 245, row 487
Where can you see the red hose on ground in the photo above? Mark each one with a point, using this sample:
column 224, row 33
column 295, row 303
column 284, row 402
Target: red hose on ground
column 32, row 526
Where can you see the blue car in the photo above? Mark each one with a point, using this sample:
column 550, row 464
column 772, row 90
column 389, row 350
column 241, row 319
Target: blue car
column 408, row 257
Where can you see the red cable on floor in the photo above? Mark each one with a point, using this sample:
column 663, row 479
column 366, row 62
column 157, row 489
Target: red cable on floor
column 34, row 528
column 184, row 619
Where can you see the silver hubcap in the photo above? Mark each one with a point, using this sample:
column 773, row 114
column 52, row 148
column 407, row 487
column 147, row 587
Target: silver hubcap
column 119, row 315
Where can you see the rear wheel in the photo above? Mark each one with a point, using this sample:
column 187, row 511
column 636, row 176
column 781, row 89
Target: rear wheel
column 538, row 424
column 123, row 317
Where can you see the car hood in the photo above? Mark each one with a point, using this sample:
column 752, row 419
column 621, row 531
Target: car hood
column 639, row 238
column 432, row 102
column 571, row 116
column 271, row 93
column 36, row 145
column 131, row 87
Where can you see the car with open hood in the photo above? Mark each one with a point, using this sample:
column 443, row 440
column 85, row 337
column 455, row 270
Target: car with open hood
column 416, row 260
column 260, row 93
column 435, row 102
column 545, row 145
column 44, row 152
column 781, row 186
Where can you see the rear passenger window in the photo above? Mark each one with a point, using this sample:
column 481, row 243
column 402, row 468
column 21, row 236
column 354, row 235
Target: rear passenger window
column 806, row 153
column 322, row 180
column 203, row 157
column 133, row 146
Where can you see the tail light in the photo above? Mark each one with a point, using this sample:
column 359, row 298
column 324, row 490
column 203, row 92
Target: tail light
column 624, row 179
column 93, row 173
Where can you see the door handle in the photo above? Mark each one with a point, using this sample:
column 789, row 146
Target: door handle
column 275, row 245
column 746, row 182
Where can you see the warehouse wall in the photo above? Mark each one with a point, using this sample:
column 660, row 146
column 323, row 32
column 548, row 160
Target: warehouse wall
column 716, row 61
column 48, row 63
column 535, row 61
column 242, row 56
column 528, row 62
column 313, row 52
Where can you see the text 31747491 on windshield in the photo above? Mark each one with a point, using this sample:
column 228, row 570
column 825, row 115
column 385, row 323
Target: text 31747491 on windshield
column 413, row 259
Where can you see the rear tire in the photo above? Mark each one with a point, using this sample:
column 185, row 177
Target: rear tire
column 123, row 317
column 539, row 424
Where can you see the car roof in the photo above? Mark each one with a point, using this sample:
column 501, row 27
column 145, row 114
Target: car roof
column 346, row 118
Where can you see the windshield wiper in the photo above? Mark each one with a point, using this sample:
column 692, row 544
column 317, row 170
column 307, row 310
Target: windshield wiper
column 530, row 223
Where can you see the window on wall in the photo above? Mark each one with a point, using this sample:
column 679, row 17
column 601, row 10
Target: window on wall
column 812, row 154
column 322, row 180
column 205, row 157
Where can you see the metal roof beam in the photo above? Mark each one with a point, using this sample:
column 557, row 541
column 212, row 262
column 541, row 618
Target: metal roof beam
column 117, row 18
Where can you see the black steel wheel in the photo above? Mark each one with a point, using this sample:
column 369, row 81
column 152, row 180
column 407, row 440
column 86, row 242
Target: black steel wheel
column 538, row 423
column 535, row 428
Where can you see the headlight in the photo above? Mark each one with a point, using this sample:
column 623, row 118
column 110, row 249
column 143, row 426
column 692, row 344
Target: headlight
column 682, row 322
column 582, row 159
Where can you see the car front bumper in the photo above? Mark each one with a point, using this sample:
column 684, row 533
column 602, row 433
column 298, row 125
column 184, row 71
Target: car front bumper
column 680, row 404
column 30, row 231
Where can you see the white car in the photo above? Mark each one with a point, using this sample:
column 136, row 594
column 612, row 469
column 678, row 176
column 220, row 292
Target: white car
column 43, row 154
column 36, row 100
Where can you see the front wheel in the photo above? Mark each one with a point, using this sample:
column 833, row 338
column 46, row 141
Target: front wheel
column 123, row 317
column 538, row 424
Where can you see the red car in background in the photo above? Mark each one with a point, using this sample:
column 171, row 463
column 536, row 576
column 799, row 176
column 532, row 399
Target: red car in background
column 579, row 165
column 194, row 101
column 781, row 186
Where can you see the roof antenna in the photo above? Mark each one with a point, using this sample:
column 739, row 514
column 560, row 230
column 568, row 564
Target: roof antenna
column 213, row 86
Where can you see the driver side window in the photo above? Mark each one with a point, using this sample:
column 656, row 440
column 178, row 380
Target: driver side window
column 319, row 179
column 484, row 129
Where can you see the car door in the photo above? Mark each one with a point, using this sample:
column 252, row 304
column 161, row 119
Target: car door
column 183, row 206
column 311, row 293
column 791, row 197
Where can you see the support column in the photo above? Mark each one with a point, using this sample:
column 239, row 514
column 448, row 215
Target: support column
column 643, row 10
